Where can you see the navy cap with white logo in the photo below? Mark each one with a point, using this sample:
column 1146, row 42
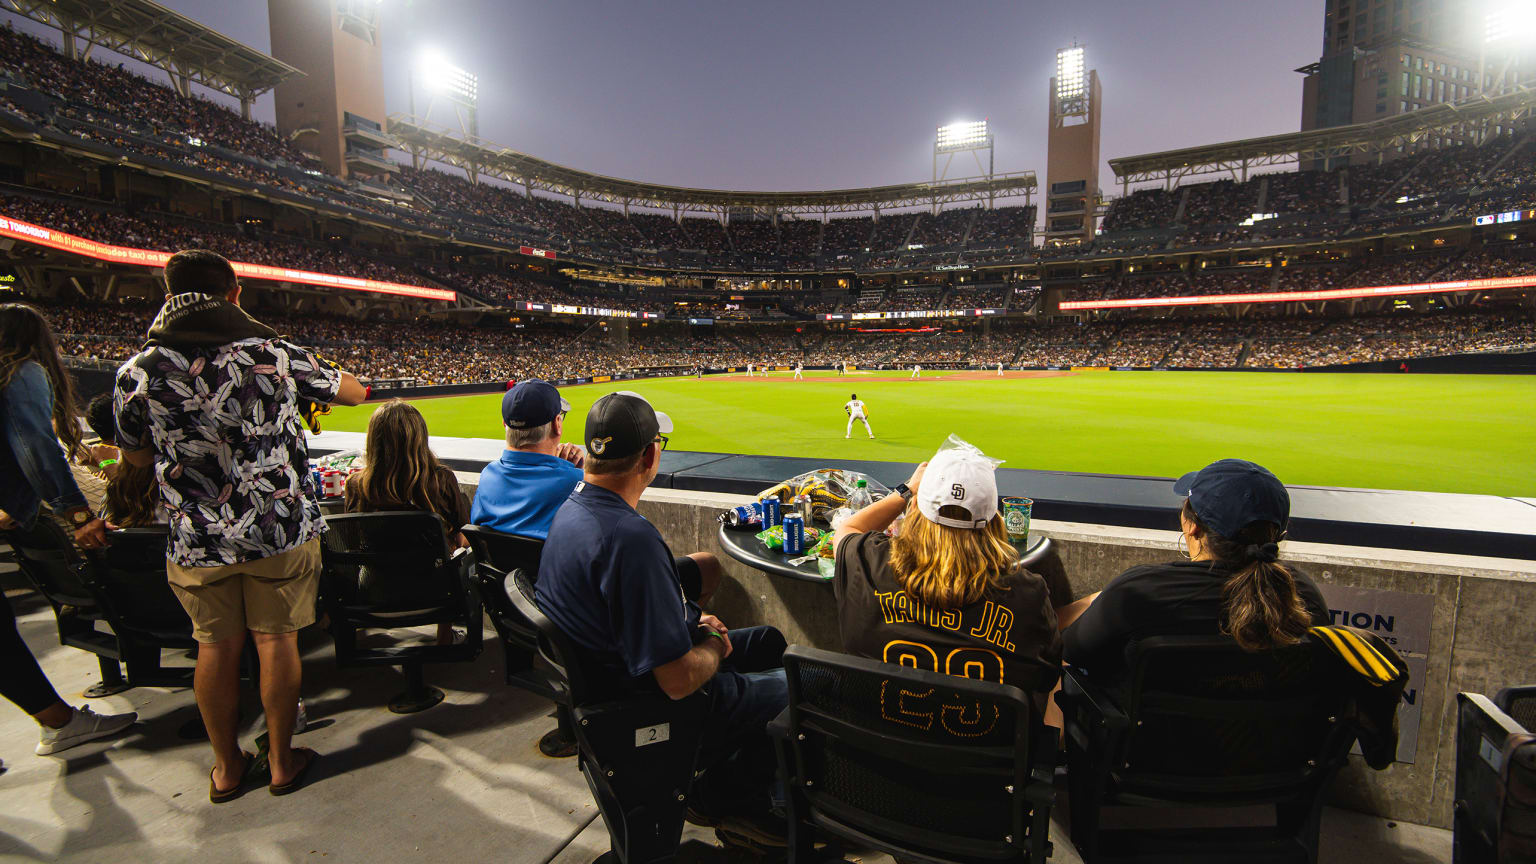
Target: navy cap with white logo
column 531, row 404
column 1230, row 494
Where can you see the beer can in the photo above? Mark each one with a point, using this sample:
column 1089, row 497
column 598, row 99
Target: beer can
column 746, row 514
column 771, row 512
column 806, row 508
column 318, row 481
column 794, row 534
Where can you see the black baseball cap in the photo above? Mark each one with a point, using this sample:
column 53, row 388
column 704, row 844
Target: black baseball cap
column 622, row 424
column 1230, row 494
column 531, row 404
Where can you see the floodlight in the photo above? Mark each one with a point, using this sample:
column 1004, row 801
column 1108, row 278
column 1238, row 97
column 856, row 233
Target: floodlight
column 965, row 135
column 1511, row 21
column 1070, row 81
column 442, row 77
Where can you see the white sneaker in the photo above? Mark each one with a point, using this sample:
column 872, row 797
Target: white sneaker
column 85, row 726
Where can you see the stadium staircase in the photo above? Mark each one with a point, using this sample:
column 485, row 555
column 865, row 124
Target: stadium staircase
column 1391, row 191
column 1178, row 214
column 1242, row 356
column 965, row 238
column 1263, row 196
column 911, row 232
column 1528, row 141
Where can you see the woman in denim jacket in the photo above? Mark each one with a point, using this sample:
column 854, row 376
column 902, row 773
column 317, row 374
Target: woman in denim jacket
column 37, row 410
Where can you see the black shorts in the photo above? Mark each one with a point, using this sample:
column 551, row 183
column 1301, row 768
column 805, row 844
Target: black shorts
column 690, row 575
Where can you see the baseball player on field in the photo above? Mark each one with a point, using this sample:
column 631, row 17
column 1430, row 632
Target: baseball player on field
column 917, row 372
column 999, row 370
column 856, row 411
column 799, row 371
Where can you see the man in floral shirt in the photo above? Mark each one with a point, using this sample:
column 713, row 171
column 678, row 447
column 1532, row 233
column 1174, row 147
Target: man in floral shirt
column 213, row 403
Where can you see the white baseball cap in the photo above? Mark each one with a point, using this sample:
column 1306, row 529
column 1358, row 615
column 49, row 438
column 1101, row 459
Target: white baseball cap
column 959, row 489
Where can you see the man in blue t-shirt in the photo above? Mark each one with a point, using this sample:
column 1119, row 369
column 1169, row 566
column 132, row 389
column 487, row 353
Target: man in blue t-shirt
column 520, row 492
column 609, row 581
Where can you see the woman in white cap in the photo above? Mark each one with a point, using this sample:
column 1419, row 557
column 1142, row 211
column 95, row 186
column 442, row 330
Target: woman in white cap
column 947, row 594
column 1232, row 583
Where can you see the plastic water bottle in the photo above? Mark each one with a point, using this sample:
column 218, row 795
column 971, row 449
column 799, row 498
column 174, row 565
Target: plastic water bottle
column 859, row 498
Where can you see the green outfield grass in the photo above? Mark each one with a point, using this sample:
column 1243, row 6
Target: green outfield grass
column 1442, row 433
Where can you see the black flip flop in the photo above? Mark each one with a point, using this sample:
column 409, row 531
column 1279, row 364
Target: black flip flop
column 298, row 779
column 217, row 797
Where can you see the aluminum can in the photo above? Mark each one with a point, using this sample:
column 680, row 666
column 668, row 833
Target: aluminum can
column 794, row 534
column 746, row 514
column 771, row 512
column 335, row 483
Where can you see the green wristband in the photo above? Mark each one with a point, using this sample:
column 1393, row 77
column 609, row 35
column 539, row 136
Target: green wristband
column 105, row 462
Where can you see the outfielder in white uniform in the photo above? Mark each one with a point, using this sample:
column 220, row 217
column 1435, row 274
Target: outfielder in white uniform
column 749, row 370
column 799, row 371
column 856, row 411
column 999, row 370
column 917, row 372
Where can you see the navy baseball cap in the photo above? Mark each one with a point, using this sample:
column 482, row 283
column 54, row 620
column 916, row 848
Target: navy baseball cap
column 531, row 404
column 1230, row 494
column 622, row 424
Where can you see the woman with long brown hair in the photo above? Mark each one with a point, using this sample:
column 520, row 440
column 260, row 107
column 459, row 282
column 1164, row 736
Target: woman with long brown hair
column 37, row 412
column 402, row 473
column 947, row 593
column 1232, row 583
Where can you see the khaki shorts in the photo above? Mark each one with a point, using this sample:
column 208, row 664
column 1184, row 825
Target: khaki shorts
column 268, row 595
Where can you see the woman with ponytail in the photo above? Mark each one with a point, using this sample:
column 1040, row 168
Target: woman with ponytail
column 1232, row 583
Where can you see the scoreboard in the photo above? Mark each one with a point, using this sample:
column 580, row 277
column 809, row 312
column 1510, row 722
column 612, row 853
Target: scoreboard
column 1505, row 217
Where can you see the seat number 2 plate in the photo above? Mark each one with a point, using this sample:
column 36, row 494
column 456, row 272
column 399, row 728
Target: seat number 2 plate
column 652, row 734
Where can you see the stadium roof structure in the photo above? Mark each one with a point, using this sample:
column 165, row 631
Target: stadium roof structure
column 477, row 156
column 164, row 38
column 1375, row 137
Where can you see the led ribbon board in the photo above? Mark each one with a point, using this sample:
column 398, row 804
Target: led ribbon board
column 40, row 236
column 1490, row 284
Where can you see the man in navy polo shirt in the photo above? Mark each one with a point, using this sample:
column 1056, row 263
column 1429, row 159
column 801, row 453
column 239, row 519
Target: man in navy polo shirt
column 609, row 581
column 520, row 492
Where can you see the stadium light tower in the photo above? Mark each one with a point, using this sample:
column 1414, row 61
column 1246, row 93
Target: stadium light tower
column 442, row 79
column 970, row 136
column 1509, row 30
column 1072, row 150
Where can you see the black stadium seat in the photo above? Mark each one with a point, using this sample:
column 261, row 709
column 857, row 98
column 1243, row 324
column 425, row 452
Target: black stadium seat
column 130, row 581
column 386, row 570
column 637, row 752
column 47, row 556
column 1205, row 724
column 921, row 765
column 1519, row 703
column 496, row 555
column 1495, row 811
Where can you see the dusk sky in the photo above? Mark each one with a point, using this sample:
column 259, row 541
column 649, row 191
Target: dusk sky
column 836, row 93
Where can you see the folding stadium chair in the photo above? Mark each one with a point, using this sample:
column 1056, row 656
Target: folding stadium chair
column 638, row 752
column 1519, row 703
column 496, row 555
column 921, row 765
column 47, row 556
column 1495, row 813
column 129, row 581
column 386, row 570
column 1206, row 724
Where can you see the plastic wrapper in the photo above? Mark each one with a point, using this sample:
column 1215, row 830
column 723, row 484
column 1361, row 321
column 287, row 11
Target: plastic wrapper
column 341, row 460
column 955, row 442
column 829, row 489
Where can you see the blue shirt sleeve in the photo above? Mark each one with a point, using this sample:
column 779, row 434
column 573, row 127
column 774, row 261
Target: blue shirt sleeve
column 649, row 615
column 29, row 433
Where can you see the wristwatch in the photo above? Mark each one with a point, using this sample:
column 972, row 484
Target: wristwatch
column 79, row 518
column 904, row 491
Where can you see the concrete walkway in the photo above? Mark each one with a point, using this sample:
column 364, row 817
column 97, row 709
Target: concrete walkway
column 461, row 782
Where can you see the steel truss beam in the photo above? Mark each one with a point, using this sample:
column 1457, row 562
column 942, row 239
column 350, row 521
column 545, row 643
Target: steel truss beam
column 1376, row 138
column 185, row 50
column 477, row 157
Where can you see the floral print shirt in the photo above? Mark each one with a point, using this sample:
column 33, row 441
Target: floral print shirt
column 230, row 453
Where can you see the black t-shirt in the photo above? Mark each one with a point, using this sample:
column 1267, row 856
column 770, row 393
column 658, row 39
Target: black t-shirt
column 1180, row 598
column 1009, row 637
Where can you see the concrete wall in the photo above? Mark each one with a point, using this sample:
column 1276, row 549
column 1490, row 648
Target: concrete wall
column 1480, row 633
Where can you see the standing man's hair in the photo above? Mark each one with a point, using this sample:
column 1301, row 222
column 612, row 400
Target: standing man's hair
column 199, row 271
